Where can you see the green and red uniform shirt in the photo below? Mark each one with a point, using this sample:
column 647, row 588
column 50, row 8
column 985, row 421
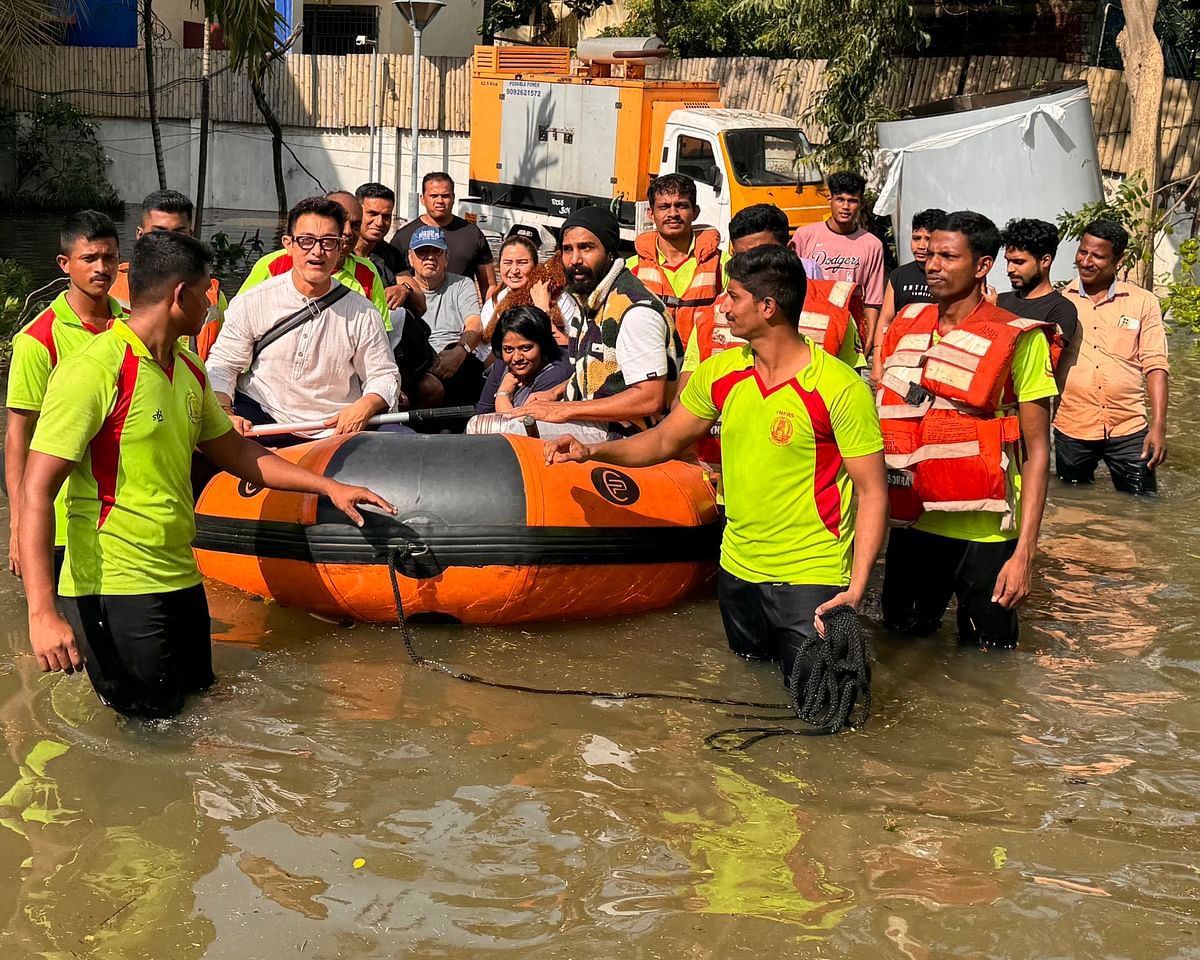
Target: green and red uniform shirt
column 130, row 427
column 788, row 498
column 56, row 333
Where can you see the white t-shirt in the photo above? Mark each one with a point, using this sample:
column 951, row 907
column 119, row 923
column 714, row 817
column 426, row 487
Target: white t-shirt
column 643, row 342
column 566, row 306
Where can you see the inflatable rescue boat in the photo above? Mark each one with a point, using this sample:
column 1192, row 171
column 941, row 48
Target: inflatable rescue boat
column 484, row 532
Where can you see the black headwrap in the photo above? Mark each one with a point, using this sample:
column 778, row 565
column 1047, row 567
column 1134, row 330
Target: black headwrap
column 597, row 220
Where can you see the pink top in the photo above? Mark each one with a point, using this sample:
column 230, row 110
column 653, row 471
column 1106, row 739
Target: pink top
column 856, row 256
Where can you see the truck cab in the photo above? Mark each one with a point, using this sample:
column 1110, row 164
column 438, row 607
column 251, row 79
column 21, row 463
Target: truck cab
column 739, row 158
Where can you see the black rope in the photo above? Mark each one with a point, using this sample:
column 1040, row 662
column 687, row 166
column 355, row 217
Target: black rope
column 441, row 667
column 830, row 675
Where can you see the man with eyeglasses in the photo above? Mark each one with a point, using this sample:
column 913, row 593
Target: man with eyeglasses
column 298, row 348
column 357, row 273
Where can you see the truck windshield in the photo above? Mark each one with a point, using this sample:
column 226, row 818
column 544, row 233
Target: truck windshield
column 769, row 158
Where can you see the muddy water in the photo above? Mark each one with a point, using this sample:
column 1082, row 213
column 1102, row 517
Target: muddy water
column 329, row 799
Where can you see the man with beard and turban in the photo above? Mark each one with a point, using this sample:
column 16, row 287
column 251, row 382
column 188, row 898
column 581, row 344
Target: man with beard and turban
column 623, row 351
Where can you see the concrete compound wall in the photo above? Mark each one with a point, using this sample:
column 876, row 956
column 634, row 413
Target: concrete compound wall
column 239, row 161
column 239, row 174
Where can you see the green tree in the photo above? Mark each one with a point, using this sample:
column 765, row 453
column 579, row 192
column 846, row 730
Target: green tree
column 696, row 28
column 249, row 28
column 863, row 43
column 505, row 14
column 61, row 163
column 24, row 25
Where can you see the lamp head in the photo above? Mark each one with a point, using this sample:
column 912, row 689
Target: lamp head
column 418, row 13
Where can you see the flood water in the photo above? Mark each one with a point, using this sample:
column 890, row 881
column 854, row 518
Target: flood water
column 330, row 799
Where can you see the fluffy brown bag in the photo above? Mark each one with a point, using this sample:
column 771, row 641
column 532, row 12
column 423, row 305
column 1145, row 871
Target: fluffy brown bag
column 552, row 270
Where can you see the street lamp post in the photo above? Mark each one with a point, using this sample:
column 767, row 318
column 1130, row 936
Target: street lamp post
column 363, row 41
column 418, row 14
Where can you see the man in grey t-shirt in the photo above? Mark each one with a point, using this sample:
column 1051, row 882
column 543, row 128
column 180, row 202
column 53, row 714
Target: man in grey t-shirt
column 452, row 312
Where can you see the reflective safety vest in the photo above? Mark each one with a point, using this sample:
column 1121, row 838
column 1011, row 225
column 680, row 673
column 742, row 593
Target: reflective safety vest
column 830, row 306
column 200, row 344
column 699, row 300
column 944, row 446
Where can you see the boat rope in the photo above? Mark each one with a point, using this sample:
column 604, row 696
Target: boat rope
column 442, row 667
column 831, row 674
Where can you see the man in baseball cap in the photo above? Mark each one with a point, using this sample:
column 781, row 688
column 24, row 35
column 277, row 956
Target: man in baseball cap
column 452, row 312
column 624, row 351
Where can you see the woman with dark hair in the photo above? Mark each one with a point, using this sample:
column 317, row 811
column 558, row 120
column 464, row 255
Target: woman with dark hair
column 528, row 361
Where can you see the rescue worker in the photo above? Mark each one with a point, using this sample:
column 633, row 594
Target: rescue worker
column 965, row 387
column 355, row 272
column 678, row 264
column 831, row 307
column 171, row 210
column 119, row 427
column 801, row 444
column 89, row 250
column 1120, row 356
column 623, row 351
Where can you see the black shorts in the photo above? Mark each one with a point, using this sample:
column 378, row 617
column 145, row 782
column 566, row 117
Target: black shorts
column 466, row 385
column 923, row 571
column 1075, row 461
column 769, row 621
column 144, row 653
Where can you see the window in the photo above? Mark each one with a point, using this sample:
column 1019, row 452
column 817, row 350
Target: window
column 694, row 157
column 770, row 158
column 330, row 29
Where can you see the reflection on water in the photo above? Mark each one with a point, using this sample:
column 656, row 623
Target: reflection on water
column 329, row 799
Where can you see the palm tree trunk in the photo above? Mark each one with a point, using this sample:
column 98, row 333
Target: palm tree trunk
column 202, row 165
column 272, row 122
column 1142, row 56
column 152, row 91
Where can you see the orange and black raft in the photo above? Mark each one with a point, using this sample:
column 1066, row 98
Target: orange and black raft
column 484, row 532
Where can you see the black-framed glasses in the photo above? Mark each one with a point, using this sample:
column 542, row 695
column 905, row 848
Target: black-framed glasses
column 328, row 244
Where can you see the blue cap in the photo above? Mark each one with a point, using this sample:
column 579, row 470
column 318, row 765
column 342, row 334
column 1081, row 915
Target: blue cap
column 428, row 237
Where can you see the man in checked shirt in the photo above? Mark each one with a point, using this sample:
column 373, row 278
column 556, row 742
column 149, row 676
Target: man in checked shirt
column 335, row 366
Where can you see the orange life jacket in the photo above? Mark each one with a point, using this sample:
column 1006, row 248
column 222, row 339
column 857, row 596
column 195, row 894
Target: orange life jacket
column 944, row 446
column 700, row 298
column 829, row 308
column 203, row 341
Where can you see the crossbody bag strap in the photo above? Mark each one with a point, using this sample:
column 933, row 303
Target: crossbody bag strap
column 310, row 311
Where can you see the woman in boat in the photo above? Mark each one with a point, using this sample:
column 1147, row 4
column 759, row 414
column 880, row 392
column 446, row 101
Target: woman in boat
column 525, row 282
column 528, row 361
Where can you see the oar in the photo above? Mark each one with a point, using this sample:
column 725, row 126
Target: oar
column 407, row 416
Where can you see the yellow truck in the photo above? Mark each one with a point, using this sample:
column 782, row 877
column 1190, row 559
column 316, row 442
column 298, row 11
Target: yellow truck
column 547, row 138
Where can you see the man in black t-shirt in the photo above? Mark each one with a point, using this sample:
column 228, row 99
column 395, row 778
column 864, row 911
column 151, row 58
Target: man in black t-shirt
column 1029, row 248
column 906, row 284
column 378, row 202
column 469, row 254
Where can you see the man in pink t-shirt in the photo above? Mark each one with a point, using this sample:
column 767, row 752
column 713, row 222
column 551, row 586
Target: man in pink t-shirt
column 845, row 251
